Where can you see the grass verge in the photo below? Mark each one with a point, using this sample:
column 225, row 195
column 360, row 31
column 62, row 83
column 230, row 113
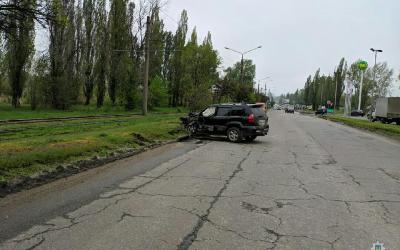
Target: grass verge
column 30, row 149
column 377, row 127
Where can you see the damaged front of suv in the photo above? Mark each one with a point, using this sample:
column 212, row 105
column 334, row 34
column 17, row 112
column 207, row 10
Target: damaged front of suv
column 191, row 123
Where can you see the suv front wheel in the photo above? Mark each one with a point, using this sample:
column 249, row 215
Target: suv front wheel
column 234, row 135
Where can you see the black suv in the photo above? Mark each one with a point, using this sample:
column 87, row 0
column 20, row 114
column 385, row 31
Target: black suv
column 236, row 121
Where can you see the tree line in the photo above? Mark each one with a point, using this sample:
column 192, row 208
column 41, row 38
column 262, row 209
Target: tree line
column 320, row 88
column 96, row 55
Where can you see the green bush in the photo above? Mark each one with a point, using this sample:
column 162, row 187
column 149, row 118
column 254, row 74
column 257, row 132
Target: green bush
column 158, row 93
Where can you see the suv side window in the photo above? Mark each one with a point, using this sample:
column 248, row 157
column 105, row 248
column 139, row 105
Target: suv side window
column 223, row 111
column 237, row 112
column 210, row 111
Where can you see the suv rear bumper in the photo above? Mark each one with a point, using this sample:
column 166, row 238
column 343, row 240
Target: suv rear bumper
column 255, row 131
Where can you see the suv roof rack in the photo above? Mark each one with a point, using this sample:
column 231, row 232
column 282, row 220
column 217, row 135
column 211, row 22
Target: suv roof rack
column 233, row 104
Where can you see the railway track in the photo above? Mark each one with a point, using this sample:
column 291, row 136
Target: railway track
column 70, row 118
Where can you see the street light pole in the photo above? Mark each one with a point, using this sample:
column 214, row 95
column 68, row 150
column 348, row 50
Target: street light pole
column 242, row 60
column 375, row 51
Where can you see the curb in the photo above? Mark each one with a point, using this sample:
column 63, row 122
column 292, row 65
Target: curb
column 63, row 171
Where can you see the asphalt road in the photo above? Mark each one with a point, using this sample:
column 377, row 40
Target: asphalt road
column 310, row 184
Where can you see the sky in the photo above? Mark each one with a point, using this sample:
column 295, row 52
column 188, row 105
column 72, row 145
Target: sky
column 297, row 36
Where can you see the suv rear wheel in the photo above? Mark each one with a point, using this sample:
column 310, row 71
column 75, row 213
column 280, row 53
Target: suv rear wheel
column 234, row 135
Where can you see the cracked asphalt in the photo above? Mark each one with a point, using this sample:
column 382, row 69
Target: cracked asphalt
column 310, row 184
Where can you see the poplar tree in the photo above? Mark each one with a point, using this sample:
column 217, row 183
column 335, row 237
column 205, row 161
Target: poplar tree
column 119, row 47
column 177, row 63
column 307, row 91
column 167, row 70
column 102, row 51
column 339, row 76
column 20, row 46
column 312, row 94
column 79, row 49
column 157, row 44
column 89, row 46
column 62, row 54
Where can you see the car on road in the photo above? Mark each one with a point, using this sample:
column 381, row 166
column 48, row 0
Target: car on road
column 237, row 122
column 289, row 109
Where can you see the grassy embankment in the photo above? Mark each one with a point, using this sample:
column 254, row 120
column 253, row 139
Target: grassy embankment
column 378, row 127
column 28, row 149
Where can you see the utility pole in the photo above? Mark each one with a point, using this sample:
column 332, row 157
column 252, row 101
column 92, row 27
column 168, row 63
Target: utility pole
column 241, row 69
column 146, row 69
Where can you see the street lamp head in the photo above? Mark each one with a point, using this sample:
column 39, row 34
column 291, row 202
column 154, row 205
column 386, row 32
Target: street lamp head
column 227, row 48
column 259, row 47
column 376, row 50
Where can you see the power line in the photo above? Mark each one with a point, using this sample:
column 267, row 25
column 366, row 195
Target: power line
column 141, row 50
column 171, row 18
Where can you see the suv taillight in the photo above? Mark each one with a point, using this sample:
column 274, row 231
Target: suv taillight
column 250, row 119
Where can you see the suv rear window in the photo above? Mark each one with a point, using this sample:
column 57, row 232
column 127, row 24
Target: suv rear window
column 258, row 111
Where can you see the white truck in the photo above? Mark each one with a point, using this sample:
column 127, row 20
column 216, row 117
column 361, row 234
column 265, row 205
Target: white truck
column 387, row 110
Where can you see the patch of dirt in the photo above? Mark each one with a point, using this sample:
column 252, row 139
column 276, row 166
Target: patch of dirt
column 141, row 140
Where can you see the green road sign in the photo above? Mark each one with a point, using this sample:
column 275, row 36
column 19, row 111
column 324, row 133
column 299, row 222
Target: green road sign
column 362, row 65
